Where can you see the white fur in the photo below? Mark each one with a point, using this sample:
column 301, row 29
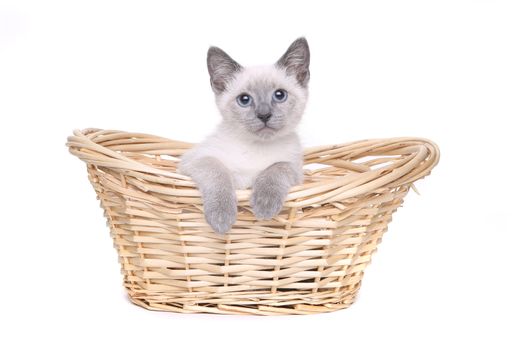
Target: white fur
column 246, row 157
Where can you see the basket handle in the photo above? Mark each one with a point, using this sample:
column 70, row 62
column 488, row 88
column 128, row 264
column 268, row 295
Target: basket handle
column 427, row 150
column 81, row 144
column 423, row 156
column 423, row 149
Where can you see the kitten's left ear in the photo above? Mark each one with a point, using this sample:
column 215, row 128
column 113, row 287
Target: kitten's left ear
column 296, row 61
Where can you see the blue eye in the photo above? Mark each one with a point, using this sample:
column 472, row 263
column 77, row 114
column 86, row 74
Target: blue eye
column 244, row 100
column 280, row 95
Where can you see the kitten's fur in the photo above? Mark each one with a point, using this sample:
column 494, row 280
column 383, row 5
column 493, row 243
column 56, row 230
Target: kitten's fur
column 242, row 152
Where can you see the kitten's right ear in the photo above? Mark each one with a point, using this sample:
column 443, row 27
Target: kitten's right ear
column 221, row 68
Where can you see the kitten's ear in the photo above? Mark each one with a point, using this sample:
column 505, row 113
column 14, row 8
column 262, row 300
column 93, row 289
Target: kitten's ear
column 296, row 61
column 221, row 68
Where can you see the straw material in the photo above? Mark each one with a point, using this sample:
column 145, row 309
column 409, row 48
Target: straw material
column 308, row 259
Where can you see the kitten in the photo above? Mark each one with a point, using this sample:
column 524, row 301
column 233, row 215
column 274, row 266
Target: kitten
column 255, row 145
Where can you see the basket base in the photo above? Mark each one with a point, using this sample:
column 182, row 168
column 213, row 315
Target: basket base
column 254, row 308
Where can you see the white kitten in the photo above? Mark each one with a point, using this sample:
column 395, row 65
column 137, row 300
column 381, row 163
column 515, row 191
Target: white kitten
column 255, row 145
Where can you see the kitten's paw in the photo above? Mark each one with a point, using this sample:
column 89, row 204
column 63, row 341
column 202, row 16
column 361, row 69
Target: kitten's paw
column 267, row 201
column 220, row 210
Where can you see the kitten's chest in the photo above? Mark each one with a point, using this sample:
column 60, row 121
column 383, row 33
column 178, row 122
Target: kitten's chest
column 247, row 161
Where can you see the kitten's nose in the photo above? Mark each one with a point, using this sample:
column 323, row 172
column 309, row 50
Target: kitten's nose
column 264, row 117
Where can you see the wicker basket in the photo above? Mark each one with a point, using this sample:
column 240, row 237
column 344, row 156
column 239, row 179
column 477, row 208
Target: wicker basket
column 308, row 259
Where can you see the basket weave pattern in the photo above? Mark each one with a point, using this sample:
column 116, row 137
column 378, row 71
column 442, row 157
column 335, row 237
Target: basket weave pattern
column 308, row 259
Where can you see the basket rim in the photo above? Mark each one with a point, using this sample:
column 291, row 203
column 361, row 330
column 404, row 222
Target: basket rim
column 422, row 156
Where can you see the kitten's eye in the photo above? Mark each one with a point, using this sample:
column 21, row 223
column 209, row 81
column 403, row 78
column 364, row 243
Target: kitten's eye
column 280, row 95
column 244, row 100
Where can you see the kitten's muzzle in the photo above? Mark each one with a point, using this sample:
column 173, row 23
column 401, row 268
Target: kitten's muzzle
column 264, row 117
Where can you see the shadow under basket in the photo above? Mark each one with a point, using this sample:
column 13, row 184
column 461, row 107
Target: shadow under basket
column 308, row 259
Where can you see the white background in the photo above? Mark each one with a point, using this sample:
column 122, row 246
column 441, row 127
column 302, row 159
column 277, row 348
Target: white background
column 450, row 272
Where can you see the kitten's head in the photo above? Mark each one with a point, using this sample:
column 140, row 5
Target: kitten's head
column 262, row 102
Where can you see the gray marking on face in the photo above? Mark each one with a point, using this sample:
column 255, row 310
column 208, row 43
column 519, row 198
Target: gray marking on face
column 263, row 110
column 282, row 114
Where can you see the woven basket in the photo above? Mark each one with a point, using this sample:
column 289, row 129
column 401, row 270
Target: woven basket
column 308, row 259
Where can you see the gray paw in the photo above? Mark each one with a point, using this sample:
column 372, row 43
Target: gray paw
column 220, row 210
column 267, row 201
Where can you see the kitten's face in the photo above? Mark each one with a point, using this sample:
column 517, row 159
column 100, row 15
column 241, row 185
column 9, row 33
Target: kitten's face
column 262, row 102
